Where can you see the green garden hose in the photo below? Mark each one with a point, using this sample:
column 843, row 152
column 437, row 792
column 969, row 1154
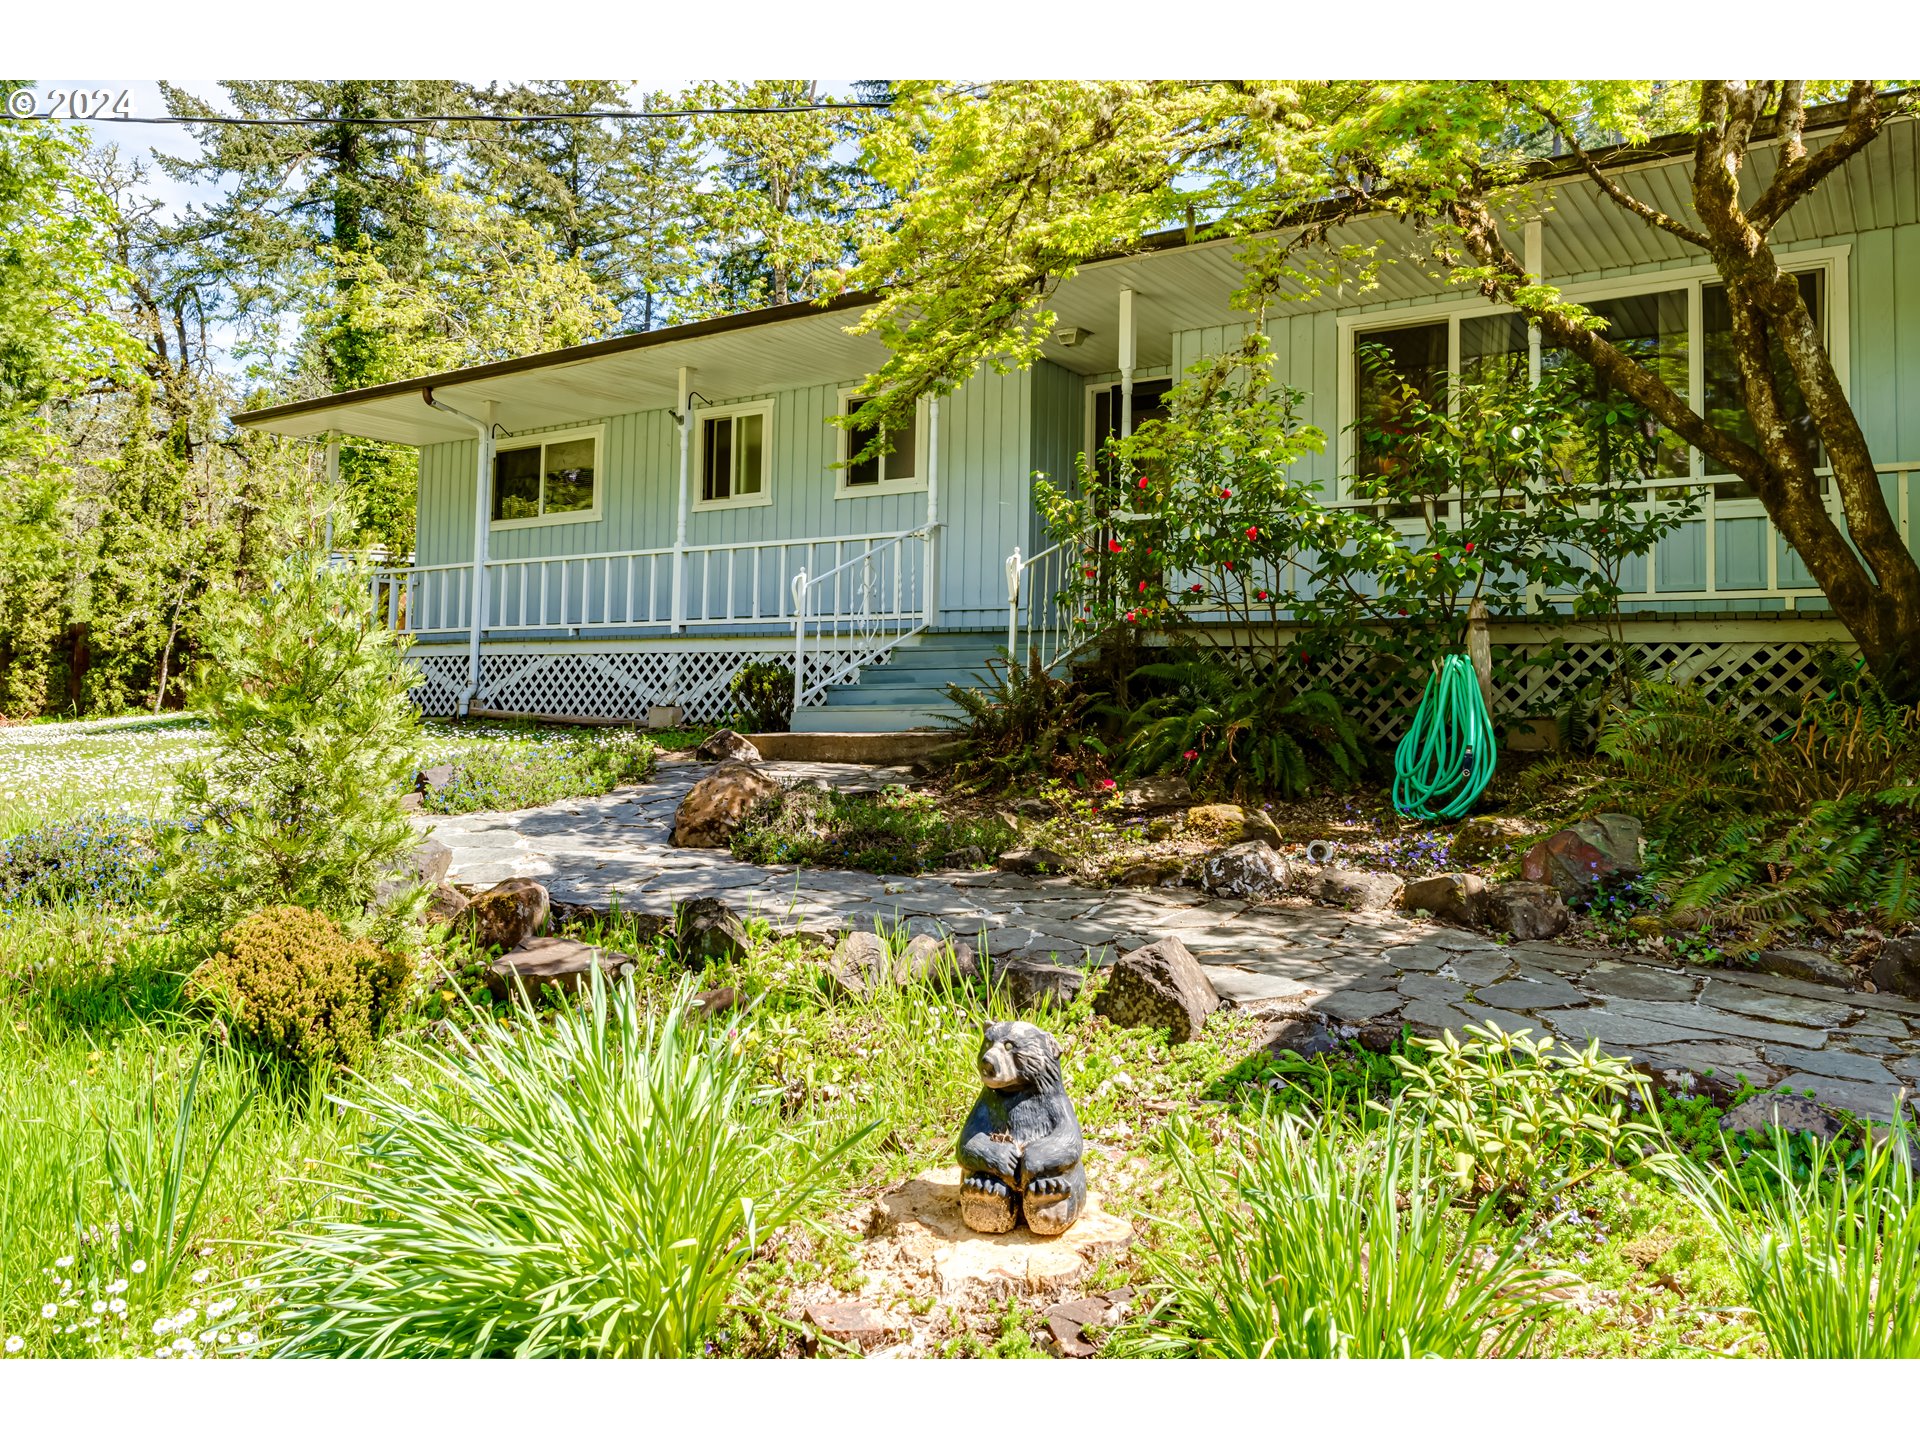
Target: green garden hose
column 1446, row 759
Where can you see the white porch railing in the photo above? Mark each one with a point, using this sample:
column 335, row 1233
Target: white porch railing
column 853, row 613
column 1728, row 554
column 740, row 584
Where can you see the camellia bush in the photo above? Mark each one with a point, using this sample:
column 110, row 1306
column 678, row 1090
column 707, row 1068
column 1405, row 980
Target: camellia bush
column 1524, row 496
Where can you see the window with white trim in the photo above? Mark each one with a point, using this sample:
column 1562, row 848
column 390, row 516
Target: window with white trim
column 735, row 458
column 547, row 479
column 893, row 467
column 1658, row 326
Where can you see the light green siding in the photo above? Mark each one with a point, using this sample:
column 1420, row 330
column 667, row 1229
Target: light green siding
column 983, row 468
column 1059, row 434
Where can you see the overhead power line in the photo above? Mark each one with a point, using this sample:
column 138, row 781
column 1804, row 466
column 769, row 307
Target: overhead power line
column 477, row 118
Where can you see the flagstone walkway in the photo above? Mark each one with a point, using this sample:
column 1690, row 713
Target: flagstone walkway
column 1356, row 969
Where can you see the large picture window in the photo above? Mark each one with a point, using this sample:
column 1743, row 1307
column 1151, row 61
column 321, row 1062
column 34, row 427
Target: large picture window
column 735, row 456
column 546, row 480
column 1661, row 326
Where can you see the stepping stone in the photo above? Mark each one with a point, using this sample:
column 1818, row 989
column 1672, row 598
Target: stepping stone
column 1245, row 986
column 1870, row 1102
column 1837, row 1064
column 1461, row 941
column 1637, row 982
column 1434, row 1015
column 1417, row 957
column 1725, row 1062
column 1770, row 1005
column 1504, row 1019
column 1554, row 958
column 1718, row 1022
column 1357, row 1007
column 1547, row 993
column 1433, row 987
column 1613, row 1029
column 1482, row 968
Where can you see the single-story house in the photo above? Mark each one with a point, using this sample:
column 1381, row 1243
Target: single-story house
column 625, row 524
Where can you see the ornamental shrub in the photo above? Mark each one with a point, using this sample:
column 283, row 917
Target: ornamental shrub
column 294, row 990
column 314, row 742
column 763, row 691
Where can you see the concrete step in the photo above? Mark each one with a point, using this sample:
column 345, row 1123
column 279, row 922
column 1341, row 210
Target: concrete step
column 863, row 720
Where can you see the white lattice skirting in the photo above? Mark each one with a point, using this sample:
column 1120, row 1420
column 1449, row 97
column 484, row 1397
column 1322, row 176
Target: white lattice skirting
column 1765, row 679
column 599, row 685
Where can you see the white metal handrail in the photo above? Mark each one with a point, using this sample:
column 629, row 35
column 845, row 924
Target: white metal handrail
column 852, row 614
column 1041, row 628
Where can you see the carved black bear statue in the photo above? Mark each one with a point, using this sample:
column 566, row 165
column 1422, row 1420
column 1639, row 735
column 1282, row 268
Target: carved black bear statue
column 1020, row 1148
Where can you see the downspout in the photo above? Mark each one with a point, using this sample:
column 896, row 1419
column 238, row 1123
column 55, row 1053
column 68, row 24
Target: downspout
column 677, row 610
column 482, row 484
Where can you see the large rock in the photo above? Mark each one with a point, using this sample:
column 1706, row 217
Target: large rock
column 1487, row 837
column 1359, row 889
column 1579, row 859
column 929, row 960
column 1253, row 870
column 446, row 905
column 1524, row 910
column 1034, row 860
column 434, row 777
column 510, row 913
column 728, row 745
column 1458, row 897
column 859, row 959
column 552, row 962
column 1234, row 821
column 716, row 807
column 1805, row 965
column 1035, row 983
column 707, row 933
column 1896, row 969
column 1795, row 1113
column 1152, row 792
column 1158, row 987
column 426, row 867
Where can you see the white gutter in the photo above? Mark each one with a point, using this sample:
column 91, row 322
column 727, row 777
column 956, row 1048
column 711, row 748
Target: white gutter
column 482, row 484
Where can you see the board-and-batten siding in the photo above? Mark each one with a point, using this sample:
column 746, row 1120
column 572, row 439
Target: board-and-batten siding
column 1059, row 424
column 1884, row 361
column 984, row 464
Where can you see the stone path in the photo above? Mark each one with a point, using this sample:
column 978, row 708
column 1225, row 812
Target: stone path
column 1357, row 969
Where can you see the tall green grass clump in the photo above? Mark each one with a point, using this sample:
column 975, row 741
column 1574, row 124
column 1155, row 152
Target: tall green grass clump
column 1317, row 1240
column 586, row 1187
column 1829, row 1257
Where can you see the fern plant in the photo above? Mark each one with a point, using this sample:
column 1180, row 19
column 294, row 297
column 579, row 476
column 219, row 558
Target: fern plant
column 1232, row 733
column 1023, row 721
column 1752, row 828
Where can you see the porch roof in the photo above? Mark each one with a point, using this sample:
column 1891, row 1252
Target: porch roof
column 1179, row 283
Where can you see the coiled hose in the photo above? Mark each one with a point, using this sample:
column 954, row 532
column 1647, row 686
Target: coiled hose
column 1446, row 758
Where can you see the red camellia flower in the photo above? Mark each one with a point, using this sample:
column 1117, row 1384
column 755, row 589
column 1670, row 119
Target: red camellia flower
column 1260, row 595
column 1469, row 547
column 1114, row 546
column 1229, row 564
column 1143, row 482
column 1106, row 784
column 1143, row 587
column 1130, row 615
column 1089, row 574
column 1196, row 589
column 1192, row 755
column 1225, row 494
column 1304, row 657
column 1253, row 532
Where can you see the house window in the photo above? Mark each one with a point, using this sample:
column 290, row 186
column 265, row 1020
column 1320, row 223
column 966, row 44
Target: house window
column 896, row 465
column 1727, row 399
column 735, row 456
column 1392, row 370
column 548, row 480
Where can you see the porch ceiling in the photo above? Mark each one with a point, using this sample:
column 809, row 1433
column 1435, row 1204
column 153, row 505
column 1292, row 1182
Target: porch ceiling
column 1176, row 286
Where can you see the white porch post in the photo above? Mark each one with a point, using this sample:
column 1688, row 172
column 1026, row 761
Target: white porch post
column 333, row 487
column 482, row 509
column 930, row 570
column 1126, row 363
column 683, row 407
column 1535, row 266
